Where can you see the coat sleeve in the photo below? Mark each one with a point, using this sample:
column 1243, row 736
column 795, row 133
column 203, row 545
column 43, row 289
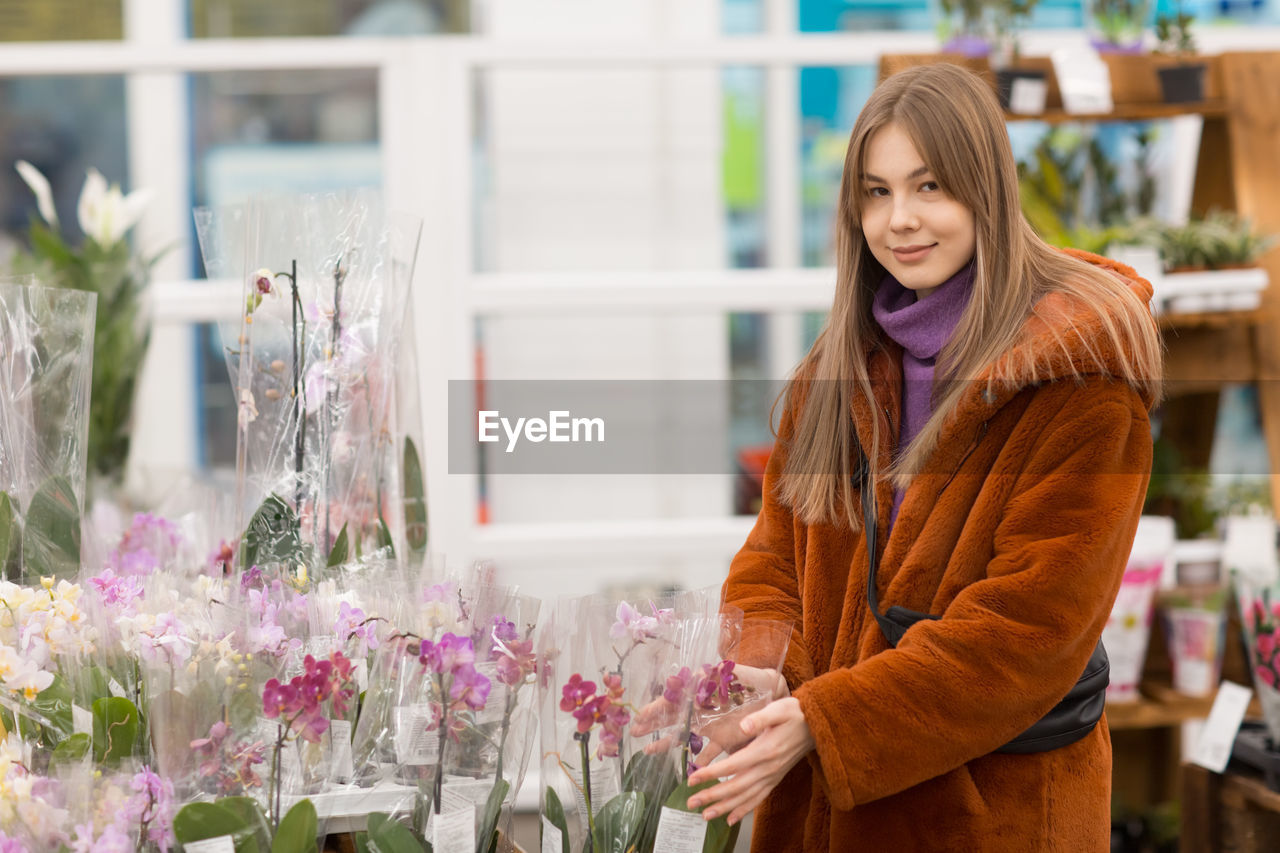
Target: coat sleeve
column 1009, row 646
column 763, row 580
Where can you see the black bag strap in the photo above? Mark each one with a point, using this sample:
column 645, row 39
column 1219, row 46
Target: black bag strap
column 896, row 620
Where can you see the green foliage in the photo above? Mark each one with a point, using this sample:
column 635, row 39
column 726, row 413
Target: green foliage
column 720, row 836
column 121, row 332
column 272, row 536
column 115, row 729
column 554, row 813
column 255, row 819
column 655, row 774
column 70, row 751
column 297, row 830
column 619, row 822
column 1220, row 240
column 54, row 704
column 487, row 841
column 1119, row 20
column 338, row 554
column 415, row 504
column 10, row 539
column 51, row 538
column 198, row 821
column 388, row 836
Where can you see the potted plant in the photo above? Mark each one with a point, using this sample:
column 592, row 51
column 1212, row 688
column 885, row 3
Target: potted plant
column 1183, row 81
column 1022, row 89
column 1210, row 263
column 965, row 27
column 1117, row 26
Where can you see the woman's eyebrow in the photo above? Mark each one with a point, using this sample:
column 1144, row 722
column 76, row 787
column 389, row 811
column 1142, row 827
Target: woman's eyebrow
column 876, row 179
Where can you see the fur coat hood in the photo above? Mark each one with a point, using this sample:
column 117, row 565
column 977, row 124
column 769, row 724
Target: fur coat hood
column 1016, row 534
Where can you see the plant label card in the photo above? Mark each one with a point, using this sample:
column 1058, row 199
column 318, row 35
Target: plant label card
column 467, row 789
column 417, row 741
column 454, row 829
column 552, row 838
column 1213, row 749
column 268, row 731
column 605, row 785
column 496, row 705
column 81, row 720
column 339, row 735
column 680, row 831
column 116, row 688
column 219, row 844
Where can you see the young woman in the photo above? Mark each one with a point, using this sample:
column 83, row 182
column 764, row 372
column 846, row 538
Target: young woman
column 999, row 390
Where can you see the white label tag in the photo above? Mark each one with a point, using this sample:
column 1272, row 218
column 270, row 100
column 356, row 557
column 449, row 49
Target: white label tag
column 552, row 840
column 1213, row 749
column 680, row 832
column 1027, row 95
column 81, row 720
column 290, row 764
column 417, row 741
column 220, row 844
column 604, row 787
column 362, row 675
column 341, row 764
column 116, row 688
column 454, row 829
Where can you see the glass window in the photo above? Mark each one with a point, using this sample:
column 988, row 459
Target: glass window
column 254, row 131
column 60, row 20
column 62, row 126
column 256, row 19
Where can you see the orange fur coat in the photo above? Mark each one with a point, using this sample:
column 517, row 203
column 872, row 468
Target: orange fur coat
column 1017, row 534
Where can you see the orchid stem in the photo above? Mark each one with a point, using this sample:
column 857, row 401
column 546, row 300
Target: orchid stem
column 583, row 738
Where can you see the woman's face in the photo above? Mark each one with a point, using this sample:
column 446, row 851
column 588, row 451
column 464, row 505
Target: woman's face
column 917, row 232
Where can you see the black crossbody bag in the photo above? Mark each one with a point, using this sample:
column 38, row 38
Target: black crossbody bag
column 1067, row 722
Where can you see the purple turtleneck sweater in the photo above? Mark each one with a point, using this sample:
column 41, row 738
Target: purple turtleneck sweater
column 921, row 328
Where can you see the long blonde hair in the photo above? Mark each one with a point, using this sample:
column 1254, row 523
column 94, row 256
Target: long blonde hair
column 957, row 126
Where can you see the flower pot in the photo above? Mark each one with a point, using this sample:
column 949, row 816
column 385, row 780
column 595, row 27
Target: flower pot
column 1181, row 84
column 1022, row 90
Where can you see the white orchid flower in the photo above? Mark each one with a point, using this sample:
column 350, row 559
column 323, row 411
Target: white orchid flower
column 39, row 185
column 105, row 213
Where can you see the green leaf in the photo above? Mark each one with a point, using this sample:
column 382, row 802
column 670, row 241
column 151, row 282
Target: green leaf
column 54, row 702
column 717, row 839
column 198, row 821
column 555, row 814
column 390, row 836
column 51, row 540
column 70, row 751
column 272, row 535
column 10, row 539
column 255, row 820
column 338, row 555
column 243, row 710
column 384, row 538
column 618, row 823
column 297, row 832
column 655, row 775
column 487, row 841
column 415, row 504
column 115, row 729
column 362, row 842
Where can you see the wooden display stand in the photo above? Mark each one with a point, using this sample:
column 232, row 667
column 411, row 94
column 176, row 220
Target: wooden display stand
column 1232, row 811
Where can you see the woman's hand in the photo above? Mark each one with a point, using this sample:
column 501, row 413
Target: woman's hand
column 782, row 738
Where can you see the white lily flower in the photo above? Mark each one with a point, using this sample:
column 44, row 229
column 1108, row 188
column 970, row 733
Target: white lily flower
column 39, row 185
column 105, row 213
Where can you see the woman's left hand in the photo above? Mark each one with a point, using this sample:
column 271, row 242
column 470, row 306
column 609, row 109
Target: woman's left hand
column 782, row 738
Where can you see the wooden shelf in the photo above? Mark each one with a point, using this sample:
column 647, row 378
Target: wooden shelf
column 1211, row 319
column 1160, row 706
column 1128, row 112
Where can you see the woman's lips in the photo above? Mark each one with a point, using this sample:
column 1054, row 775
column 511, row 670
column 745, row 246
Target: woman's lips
column 910, row 254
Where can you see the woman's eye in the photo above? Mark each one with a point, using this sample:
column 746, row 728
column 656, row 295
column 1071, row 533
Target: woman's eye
column 877, row 192
column 930, row 186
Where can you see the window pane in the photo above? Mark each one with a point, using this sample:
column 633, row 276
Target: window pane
column 60, row 20
column 255, row 18
column 62, row 126
column 291, row 131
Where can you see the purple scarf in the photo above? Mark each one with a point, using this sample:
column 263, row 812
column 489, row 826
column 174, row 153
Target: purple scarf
column 921, row 328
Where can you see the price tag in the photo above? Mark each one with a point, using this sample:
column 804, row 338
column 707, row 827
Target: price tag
column 496, row 704
column 340, row 743
column 604, row 787
column 454, row 829
column 552, row 839
column 680, row 832
column 1213, row 749
column 81, row 720
column 219, row 844
column 417, row 741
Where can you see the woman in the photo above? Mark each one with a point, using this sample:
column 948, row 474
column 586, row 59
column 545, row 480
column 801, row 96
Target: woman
column 1000, row 390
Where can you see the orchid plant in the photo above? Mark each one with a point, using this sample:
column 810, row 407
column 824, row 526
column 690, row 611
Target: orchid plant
column 103, row 263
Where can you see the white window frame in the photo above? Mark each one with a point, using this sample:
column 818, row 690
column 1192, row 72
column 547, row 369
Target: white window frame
column 425, row 87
